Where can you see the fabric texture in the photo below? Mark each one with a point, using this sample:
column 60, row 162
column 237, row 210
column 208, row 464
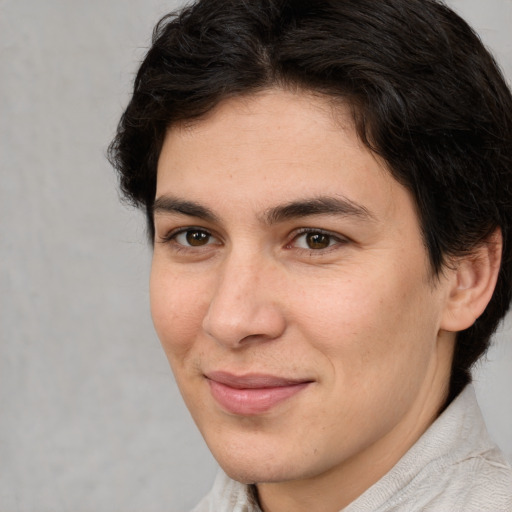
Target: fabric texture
column 453, row 467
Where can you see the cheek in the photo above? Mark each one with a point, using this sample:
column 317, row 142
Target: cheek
column 177, row 310
column 371, row 320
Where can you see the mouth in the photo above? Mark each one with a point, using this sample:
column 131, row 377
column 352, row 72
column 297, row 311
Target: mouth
column 252, row 394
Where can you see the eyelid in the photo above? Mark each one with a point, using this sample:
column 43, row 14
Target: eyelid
column 171, row 235
column 340, row 239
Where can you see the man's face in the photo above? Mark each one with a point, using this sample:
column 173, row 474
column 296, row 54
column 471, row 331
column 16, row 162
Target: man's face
column 291, row 291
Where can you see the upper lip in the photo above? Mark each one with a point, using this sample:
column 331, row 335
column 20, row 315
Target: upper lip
column 253, row 380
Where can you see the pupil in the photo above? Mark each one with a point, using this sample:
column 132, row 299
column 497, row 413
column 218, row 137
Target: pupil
column 317, row 240
column 196, row 238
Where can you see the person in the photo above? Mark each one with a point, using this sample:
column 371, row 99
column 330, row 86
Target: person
column 328, row 191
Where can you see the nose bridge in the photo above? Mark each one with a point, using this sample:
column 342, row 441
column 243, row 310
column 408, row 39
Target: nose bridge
column 244, row 304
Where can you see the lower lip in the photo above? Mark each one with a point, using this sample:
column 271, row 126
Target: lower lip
column 252, row 401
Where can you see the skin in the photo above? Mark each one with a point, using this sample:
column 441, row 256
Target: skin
column 353, row 309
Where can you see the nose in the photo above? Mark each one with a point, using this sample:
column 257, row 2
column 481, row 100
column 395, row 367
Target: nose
column 245, row 305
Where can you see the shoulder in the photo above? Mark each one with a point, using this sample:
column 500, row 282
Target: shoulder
column 478, row 483
column 469, row 474
column 453, row 467
column 474, row 473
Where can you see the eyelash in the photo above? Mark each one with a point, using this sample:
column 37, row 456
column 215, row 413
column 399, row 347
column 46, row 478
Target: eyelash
column 334, row 239
column 170, row 238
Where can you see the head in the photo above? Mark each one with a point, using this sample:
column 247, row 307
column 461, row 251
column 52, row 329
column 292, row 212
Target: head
column 409, row 79
column 424, row 93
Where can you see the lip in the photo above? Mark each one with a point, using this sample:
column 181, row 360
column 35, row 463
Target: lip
column 252, row 394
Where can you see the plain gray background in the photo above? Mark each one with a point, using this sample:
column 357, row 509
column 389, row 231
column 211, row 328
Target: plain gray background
column 90, row 417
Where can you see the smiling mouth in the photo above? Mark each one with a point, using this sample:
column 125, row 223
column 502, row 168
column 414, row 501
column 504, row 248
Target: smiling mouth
column 252, row 394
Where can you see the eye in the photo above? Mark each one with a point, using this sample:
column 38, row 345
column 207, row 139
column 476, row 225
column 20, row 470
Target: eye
column 192, row 237
column 315, row 240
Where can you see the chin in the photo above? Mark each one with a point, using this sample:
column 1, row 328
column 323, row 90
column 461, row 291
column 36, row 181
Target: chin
column 263, row 464
column 251, row 452
column 254, row 473
column 248, row 468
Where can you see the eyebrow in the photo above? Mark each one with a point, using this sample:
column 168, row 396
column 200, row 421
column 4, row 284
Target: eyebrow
column 168, row 204
column 325, row 205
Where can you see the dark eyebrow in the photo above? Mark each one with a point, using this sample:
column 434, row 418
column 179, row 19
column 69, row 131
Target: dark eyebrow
column 276, row 214
column 168, row 204
column 317, row 206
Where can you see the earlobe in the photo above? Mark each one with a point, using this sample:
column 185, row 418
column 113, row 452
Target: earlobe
column 472, row 283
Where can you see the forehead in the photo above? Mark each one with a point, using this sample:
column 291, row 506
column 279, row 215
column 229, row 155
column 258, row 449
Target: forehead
column 258, row 151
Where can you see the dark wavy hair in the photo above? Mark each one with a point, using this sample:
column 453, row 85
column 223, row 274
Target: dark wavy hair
column 425, row 94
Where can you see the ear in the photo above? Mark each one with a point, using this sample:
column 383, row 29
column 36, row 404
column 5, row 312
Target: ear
column 472, row 282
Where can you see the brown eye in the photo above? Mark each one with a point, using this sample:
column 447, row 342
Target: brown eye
column 318, row 240
column 192, row 238
column 196, row 238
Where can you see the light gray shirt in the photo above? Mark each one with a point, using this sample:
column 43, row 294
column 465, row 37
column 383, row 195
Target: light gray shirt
column 453, row 467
